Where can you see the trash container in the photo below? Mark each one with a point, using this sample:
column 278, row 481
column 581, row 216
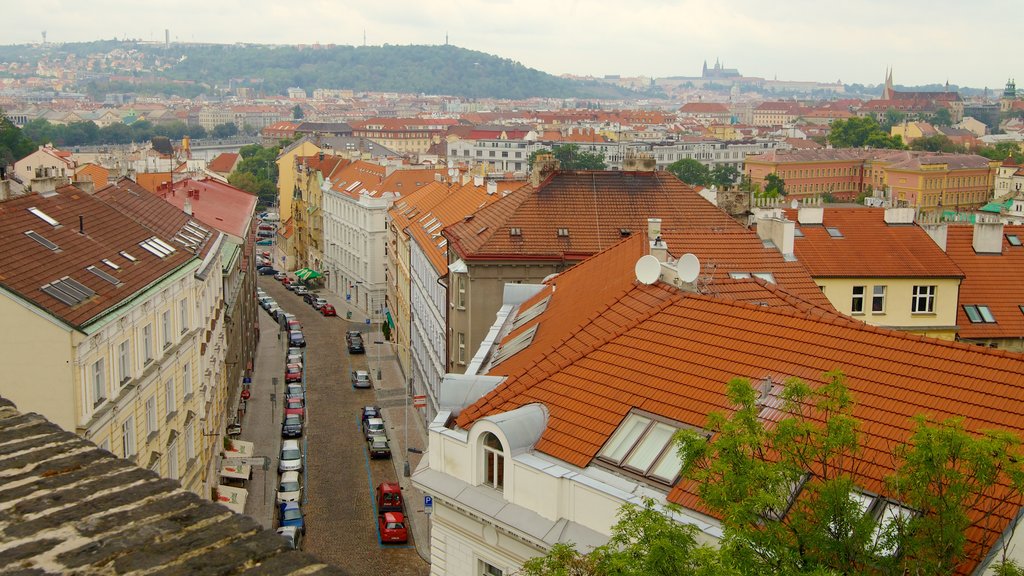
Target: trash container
column 348, row 315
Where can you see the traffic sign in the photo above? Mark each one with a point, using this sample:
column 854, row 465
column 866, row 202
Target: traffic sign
column 419, row 401
column 428, row 503
column 367, row 321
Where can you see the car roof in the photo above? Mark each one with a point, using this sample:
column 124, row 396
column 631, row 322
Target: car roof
column 294, row 365
column 290, row 476
column 375, row 420
column 394, row 517
column 379, row 438
column 289, row 505
column 362, row 372
column 289, row 444
column 293, row 417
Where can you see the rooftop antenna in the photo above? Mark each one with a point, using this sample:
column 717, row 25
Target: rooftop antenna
column 44, row 36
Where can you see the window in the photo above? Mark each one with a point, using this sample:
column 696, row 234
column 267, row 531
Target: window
column 878, row 299
column 172, row 459
column 461, row 303
column 644, row 446
column 165, row 322
column 128, row 438
column 923, row 300
column 489, row 570
column 857, row 302
column 124, row 362
column 462, row 347
column 99, row 382
column 494, row 462
column 979, row 313
column 169, row 401
column 186, row 379
column 147, row 343
column 151, row 426
column 183, row 312
column 891, row 516
column 1013, row 239
column 190, row 440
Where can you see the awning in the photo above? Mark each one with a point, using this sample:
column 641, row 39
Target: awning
column 307, row 274
column 239, row 449
column 233, row 498
column 243, row 472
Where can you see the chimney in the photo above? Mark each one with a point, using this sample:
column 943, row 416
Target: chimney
column 81, row 224
column 659, row 249
column 478, row 181
column 492, row 187
column 187, row 208
column 810, row 215
column 543, row 166
column 937, row 231
column 988, row 237
column 899, row 215
column 779, row 231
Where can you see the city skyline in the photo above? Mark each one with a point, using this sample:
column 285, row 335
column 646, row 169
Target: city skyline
column 657, row 38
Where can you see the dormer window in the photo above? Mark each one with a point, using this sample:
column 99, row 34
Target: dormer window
column 644, row 446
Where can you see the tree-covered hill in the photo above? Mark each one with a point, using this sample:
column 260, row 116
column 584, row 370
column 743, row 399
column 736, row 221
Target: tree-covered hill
column 443, row 69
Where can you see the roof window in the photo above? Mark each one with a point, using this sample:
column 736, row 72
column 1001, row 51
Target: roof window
column 38, row 238
column 42, row 215
column 644, row 446
column 128, row 256
column 515, row 232
column 979, row 313
column 68, row 291
column 102, row 274
column 1013, row 239
column 563, row 232
column 833, row 232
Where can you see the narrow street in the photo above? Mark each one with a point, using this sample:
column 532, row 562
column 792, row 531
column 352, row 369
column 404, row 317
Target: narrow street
column 339, row 477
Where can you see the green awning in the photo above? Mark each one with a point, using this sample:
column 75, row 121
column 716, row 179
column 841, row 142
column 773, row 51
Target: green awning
column 307, row 274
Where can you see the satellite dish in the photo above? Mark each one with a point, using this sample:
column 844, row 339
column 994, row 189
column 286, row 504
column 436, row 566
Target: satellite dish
column 688, row 268
column 648, row 269
column 451, row 164
column 794, row 204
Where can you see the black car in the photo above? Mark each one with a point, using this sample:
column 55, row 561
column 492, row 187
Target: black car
column 292, row 426
column 295, row 338
column 371, row 412
column 355, row 344
column 266, row 271
column 308, row 297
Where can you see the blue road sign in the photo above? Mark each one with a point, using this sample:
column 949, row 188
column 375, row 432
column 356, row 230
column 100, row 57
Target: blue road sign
column 428, row 501
column 367, row 321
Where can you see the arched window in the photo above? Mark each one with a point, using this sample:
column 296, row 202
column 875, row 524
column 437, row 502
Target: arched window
column 494, row 462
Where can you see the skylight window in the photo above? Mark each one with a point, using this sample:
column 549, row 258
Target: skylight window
column 42, row 215
column 979, row 313
column 644, row 446
column 102, row 274
column 798, row 233
column 128, row 256
column 38, row 238
column 766, row 276
column 68, row 291
column 110, row 264
column 739, row 275
column 563, row 232
column 1013, row 239
column 515, row 232
column 833, row 232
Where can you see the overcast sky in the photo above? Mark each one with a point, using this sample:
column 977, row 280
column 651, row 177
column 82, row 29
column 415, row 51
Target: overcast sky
column 924, row 41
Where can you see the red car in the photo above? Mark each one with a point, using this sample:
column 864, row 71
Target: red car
column 286, row 281
column 293, row 373
column 294, row 325
column 392, row 528
column 328, row 310
column 295, row 406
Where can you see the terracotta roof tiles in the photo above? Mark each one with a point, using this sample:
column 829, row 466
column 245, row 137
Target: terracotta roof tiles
column 993, row 280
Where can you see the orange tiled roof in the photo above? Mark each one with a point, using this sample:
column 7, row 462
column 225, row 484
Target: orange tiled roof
column 667, row 352
column 596, row 206
column 224, row 163
column 869, row 248
column 93, row 172
column 152, row 180
column 704, row 108
column 993, row 280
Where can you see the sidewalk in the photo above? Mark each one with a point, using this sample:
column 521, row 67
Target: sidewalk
column 392, row 394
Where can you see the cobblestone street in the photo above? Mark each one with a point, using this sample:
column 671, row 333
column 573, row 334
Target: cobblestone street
column 339, row 476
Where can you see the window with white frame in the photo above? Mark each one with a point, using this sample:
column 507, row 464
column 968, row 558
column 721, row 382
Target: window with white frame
column 124, row 362
column 494, row 461
column 151, row 425
column 857, row 302
column 486, row 569
column 170, row 401
column 461, row 295
column 165, row 324
column 147, row 343
column 99, row 382
column 462, row 347
column 923, row 300
column 128, row 437
column 877, row 299
column 644, row 446
column 183, row 312
column 190, row 440
column 172, row 459
column 105, row 445
column 186, row 379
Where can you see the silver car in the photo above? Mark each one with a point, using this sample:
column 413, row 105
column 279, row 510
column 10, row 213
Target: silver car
column 290, row 488
column 291, row 456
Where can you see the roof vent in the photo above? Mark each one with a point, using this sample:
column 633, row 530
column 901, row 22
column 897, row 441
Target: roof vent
column 38, row 238
column 68, row 291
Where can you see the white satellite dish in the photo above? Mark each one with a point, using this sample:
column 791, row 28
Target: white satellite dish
column 451, row 164
column 688, row 268
column 794, row 204
column 648, row 269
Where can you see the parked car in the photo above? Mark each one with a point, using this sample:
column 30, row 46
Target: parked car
column 280, row 276
column 308, row 297
column 293, row 359
column 290, row 487
column 291, row 456
column 328, row 310
column 292, row 426
column 265, row 242
column 274, row 310
column 294, row 324
column 392, row 528
column 361, row 379
column 355, row 344
column 291, row 515
column 389, row 497
column 295, row 338
column 295, row 406
column 285, row 281
column 266, row 271
column 294, row 391
column 378, row 446
column 263, row 299
column 318, row 303
column 374, row 427
column 293, row 373
column 292, row 535
column 291, row 286
column 371, row 412
column 300, row 290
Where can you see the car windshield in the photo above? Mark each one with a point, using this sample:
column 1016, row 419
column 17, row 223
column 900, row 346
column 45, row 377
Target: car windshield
column 289, row 487
column 294, row 369
column 395, row 526
column 293, row 514
column 292, row 420
column 294, row 403
column 290, row 454
column 379, row 443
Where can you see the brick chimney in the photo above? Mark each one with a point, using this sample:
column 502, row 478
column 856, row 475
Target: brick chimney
column 543, row 166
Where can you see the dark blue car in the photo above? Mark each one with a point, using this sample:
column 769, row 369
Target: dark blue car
column 291, row 515
column 266, row 271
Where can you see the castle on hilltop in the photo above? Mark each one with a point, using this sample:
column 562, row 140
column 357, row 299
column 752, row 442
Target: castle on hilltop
column 718, row 71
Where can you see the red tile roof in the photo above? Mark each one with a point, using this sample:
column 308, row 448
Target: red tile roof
column 107, row 232
column 704, row 108
column 670, row 353
column 596, row 206
column 224, row 163
column 215, row 204
column 869, row 248
column 993, row 280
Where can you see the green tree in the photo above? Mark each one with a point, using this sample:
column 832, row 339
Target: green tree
column 297, row 113
column 937, row 143
column 942, row 117
column 571, row 157
column 774, row 185
column 724, row 175
column 857, row 132
column 690, row 171
column 1002, row 151
column 14, row 145
column 892, row 118
column 226, row 130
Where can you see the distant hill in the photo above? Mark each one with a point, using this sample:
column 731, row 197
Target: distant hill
column 445, row 69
